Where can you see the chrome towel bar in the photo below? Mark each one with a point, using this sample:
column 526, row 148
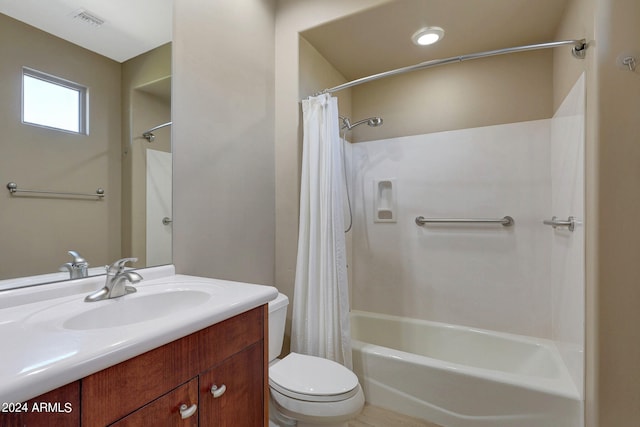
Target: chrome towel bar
column 13, row 188
column 506, row 221
column 570, row 222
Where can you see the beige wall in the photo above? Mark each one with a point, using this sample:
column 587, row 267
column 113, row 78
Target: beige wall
column 577, row 22
column 293, row 17
column 223, row 139
column 146, row 102
column 316, row 73
column 483, row 92
column 612, row 174
column 615, row 291
column 37, row 232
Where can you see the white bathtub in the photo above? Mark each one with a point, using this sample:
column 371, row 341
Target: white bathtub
column 462, row 377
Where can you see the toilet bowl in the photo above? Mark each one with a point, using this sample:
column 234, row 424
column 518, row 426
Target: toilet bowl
column 307, row 391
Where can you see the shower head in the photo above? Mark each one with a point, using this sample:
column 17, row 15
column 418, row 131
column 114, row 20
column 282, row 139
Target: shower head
column 371, row 121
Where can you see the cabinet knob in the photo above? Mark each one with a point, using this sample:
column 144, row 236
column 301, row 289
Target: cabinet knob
column 187, row 411
column 218, row 391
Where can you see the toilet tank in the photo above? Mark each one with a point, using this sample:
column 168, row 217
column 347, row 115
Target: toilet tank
column 277, row 320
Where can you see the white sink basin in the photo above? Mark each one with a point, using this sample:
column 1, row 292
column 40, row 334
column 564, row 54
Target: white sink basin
column 56, row 337
column 133, row 309
column 158, row 303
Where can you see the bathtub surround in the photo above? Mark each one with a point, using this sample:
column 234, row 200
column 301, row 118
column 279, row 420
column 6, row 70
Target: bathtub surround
column 512, row 280
column 527, row 279
column 320, row 324
column 411, row 271
column 567, row 255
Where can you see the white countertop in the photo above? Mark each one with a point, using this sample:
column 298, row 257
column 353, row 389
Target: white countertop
column 38, row 354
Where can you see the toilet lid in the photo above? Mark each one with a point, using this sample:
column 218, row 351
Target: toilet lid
column 312, row 378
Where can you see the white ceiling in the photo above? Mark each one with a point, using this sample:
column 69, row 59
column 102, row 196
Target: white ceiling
column 131, row 27
column 369, row 42
column 379, row 39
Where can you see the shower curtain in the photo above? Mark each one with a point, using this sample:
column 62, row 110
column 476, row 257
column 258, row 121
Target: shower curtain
column 320, row 323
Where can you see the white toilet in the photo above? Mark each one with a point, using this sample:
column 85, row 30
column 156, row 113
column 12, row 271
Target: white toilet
column 307, row 391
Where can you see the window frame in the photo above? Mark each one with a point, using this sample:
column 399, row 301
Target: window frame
column 83, row 100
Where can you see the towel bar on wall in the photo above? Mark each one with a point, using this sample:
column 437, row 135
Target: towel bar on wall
column 506, row 221
column 13, row 188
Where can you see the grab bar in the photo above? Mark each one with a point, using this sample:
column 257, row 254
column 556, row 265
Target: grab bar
column 570, row 223
column 506, row 221
column 13, row 188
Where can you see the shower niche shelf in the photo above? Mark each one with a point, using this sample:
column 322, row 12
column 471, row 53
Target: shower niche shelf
column 385, row 200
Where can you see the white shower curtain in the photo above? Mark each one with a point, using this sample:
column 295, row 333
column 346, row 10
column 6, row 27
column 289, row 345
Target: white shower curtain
column 320, row 324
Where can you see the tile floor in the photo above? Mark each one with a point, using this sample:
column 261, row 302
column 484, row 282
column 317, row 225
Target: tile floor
column 373, row 416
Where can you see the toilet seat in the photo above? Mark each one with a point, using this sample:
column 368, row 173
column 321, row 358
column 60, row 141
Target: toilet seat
column 312, row 379
column 316, row 413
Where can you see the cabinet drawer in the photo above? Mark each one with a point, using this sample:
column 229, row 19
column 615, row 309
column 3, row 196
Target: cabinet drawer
column 111, row 394
column 233, row 335
column 165, row 411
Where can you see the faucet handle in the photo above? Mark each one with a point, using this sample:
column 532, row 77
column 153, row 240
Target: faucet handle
column 118, row 266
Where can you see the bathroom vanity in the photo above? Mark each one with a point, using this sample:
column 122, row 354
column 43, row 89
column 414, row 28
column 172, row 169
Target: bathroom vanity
column 214, row 375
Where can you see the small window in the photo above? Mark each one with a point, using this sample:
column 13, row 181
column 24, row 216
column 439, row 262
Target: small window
column 53, row 102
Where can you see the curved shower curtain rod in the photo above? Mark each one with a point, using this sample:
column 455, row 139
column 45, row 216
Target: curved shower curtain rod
column 578, row 51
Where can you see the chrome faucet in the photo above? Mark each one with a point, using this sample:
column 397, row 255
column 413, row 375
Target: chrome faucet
column 115, row 285
column 77, row 268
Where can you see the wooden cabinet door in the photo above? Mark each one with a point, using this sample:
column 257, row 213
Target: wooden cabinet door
column 59, row 407
column 165, row 410
column 242, row 402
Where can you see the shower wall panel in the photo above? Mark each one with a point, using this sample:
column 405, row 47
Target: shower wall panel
column 483, row 275
column 567, row 256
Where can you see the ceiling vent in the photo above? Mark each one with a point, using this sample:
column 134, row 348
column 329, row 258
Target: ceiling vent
column 83, row 15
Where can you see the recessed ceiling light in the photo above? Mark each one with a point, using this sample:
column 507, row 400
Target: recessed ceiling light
column 428, row 35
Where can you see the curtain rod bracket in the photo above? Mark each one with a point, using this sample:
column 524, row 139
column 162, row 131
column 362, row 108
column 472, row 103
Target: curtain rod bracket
column 148, row 134
column 580, row 49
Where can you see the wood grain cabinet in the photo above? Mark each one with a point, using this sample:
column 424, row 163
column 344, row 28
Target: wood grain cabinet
column 57, row 408
column 178, row 408
column 231, row 392
column 215, row 377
